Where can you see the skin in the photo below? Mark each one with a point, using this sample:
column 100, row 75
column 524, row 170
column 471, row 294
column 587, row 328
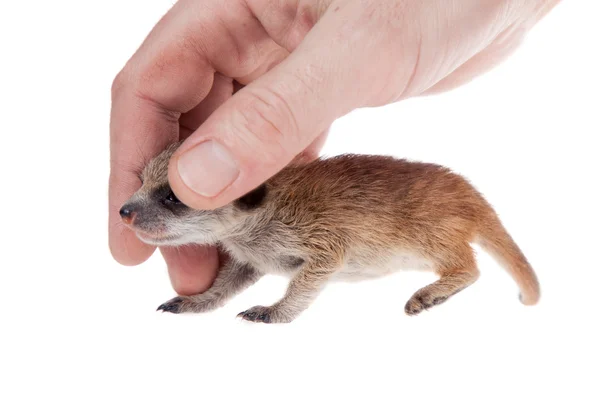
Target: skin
column 295, row 66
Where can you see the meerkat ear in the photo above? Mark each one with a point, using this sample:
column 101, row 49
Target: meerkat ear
column 252, row 199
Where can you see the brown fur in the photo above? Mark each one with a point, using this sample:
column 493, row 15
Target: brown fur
column 381, row 202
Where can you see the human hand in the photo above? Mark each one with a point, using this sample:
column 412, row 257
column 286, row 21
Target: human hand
column 305, row 63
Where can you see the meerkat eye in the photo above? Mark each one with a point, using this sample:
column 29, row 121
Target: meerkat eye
column 171, row 198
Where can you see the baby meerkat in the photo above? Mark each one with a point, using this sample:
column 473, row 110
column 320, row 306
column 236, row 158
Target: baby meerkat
column 344, row 218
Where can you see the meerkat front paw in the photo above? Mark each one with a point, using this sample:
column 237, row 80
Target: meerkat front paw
column 191, row 304
column 183, row 304
column 422, row 301
column 175, row 305
column 268, row 315
column 258, row 314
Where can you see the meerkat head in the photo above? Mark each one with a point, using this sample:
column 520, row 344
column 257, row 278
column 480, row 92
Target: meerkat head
column 157, row 217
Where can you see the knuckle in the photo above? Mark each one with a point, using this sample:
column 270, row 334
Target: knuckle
column 126, row 80
column 119, row 82
column 239, row 56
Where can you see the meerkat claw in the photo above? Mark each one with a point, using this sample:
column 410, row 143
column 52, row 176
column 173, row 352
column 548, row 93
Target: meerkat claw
column 171, row 306
column 256, row 314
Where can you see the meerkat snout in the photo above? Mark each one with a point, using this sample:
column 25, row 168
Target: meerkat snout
column 349, row 217
column 127, row 213
column 143, row 203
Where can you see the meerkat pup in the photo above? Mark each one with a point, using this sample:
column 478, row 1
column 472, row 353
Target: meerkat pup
column 348, row 217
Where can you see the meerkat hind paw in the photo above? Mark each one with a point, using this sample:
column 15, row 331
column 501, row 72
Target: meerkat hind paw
column 421, row 302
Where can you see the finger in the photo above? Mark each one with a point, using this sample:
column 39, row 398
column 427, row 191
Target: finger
column 165, row 78
column 192, row 269
column 273, row 119
column 144, row 121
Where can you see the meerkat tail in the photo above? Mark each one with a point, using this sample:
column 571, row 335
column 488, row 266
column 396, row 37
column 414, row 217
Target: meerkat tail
column 495, row 240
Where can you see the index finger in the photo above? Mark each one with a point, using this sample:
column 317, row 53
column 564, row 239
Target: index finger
column 160, row 82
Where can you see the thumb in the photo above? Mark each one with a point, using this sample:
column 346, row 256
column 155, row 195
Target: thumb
column 269, row 122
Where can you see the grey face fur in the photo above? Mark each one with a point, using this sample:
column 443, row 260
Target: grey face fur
column 159, row 218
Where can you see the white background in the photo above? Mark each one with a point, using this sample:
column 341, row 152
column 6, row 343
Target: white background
column 77, row 325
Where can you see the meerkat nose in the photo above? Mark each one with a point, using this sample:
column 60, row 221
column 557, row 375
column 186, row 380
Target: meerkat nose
column 127, row 214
